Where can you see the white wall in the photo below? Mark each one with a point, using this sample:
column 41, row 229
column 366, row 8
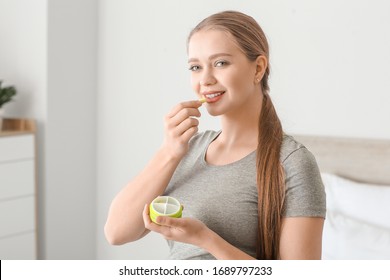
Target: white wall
column 329, row 76
column 48, row 51
column 330, row 67
column 23, row 47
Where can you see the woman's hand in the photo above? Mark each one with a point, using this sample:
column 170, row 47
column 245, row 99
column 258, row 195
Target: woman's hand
column 180, row 125
column 186, row 230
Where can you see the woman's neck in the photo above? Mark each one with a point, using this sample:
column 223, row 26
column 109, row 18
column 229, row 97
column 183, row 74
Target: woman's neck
column 240, row 128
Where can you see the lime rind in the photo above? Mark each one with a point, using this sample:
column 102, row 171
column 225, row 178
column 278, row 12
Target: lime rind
column 165, row 206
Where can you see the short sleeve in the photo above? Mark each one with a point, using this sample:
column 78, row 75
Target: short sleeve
column 305, row 192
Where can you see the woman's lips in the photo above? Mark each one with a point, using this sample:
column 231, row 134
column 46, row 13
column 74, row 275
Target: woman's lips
column 213, row 96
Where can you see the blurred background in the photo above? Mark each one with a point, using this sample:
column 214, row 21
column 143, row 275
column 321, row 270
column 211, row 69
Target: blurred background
column 98, row 77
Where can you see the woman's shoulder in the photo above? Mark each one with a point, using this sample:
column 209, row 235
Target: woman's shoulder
column 305, row 194
column 204, row 137
column 292, row 147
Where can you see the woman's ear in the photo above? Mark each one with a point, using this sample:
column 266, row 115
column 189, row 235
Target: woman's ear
column 261, row 66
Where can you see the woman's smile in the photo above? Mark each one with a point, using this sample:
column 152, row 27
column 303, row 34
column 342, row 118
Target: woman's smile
column 213, row 96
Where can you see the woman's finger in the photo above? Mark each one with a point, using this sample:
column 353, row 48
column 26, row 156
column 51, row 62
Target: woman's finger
column 170, row 222
column 183, row 115
column 185, row 125
column 147, row 221
column 182, row 105
column 186, row 136
column 164, row 230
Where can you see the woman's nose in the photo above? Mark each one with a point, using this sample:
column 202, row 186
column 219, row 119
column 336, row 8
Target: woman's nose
column 207, row 78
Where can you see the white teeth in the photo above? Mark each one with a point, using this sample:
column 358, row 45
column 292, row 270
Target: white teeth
column 213, row 95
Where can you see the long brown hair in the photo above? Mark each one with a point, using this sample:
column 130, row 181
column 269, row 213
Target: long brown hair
column 270, row 174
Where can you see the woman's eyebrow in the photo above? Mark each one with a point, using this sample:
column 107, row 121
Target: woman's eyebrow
column 210, row 57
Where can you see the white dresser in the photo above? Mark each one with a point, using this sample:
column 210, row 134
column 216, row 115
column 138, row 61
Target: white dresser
column 18, row 220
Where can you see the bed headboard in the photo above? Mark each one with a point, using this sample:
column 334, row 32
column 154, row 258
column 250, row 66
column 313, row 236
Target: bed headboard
column 363, row 160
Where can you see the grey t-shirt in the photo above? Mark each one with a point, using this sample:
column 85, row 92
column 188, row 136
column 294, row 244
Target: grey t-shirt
column 225, row 197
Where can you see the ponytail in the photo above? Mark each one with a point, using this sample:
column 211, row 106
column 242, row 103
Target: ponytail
column 270, row 181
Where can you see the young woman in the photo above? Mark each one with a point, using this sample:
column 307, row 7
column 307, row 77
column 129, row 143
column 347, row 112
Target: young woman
column 249, row 191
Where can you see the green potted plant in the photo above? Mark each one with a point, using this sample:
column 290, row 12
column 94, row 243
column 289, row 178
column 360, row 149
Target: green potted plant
column 6, row 95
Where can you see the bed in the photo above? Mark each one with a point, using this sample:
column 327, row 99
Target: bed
column 356, row 175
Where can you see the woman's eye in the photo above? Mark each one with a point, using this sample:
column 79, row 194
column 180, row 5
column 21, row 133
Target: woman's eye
column 194, row 68
column 221, row 63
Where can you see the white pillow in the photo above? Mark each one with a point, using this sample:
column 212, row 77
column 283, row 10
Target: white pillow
column 357, row 224
column 346, row 238
column 365, row 202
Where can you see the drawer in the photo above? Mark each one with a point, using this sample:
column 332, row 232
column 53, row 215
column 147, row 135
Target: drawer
column 17, row 216
column 16, row 147
column 17, row 178
column 19, row 247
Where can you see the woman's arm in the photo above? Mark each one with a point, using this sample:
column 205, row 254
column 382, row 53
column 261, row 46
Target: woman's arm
column 223, row 250
column 301, row 238
column 124, row 222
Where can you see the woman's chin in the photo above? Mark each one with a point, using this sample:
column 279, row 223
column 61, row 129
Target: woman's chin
column 214, row 113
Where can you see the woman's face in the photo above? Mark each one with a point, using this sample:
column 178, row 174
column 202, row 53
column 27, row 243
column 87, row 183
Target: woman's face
column 221, row 72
